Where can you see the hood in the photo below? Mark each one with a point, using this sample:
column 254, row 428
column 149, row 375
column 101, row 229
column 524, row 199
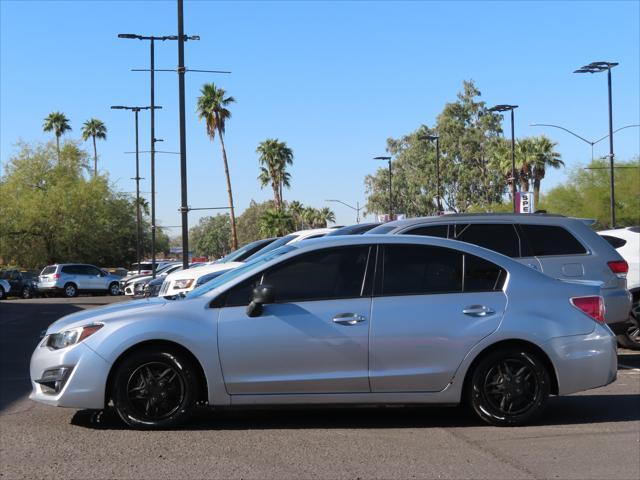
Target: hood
column 106, row 314
column 197, row 272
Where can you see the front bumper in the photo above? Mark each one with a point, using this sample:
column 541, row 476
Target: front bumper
column 583, row 362
column 85, row 384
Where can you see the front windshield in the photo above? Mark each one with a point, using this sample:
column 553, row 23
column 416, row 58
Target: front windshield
column 239, row 252
column 236, row 272
column 272, row 246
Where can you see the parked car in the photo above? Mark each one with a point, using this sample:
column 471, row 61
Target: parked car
column 22, row 284
column 145, row 268
column 357, row 229
column 350, row 320
column 627, row 242
column 69, row 279
column 245, row 251
column 129, row 283
column 5, row 288
column 558, row 246
column 186, row 280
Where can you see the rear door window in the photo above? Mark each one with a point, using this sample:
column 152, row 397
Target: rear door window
column 71, row 269
column 547, row 240
column 481, row 275
column 499, row 237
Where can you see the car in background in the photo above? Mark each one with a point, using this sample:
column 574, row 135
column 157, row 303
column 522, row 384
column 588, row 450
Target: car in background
column 145, row 268
column 627, row 242
column 184, row 281
column 22, row 284
column 128, row 283
column 5, row 288
column 345, row 320
column 357, row 229
column 245, row 251
column 560, row 247
column 69, row 279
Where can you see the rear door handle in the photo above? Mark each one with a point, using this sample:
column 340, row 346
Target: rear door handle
column 348, row 318
column 478, row 311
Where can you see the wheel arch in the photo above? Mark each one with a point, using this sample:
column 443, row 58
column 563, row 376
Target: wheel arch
column 514, row 343
column 203, row 393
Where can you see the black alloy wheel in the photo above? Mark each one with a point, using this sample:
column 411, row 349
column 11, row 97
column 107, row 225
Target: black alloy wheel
column 508, row 387
column 631, row 338
column 155, row 389
column 26, row 292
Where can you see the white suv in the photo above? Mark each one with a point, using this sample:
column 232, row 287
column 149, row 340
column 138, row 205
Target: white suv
column 72, row 278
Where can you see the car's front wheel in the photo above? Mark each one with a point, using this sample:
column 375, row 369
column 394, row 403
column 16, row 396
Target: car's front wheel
column 508, row 387
column 155, row 389
column 26, row 292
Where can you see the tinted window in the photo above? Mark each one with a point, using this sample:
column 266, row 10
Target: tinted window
column 481, row 275
column 92, row 270
column 318, row 235
column 382, row 229
column 499, row 237
column 551, row 240
column 430, row 231
column 615, row 242
column 48, row 270
column 71, row 269
column 272, row 246
column 240, row 295
column 325, row 274
column 419, row 270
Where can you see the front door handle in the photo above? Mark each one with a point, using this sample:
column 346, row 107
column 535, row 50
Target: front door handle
column 348, row 318
column 478, row 311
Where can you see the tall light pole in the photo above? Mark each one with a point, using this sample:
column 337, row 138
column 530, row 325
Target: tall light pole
column 437, row 139
column 356, row 208
column 137, row 178
column 388, row 159
column 597, row 67
column 511, row 108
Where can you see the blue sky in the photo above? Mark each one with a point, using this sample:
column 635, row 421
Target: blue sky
column 333, row 79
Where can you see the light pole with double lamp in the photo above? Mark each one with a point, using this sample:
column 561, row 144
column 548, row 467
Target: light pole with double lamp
column 357, row 208
column 137, row 178
column 510, row 108
column 431, row 138
column 598, row 67
column 388, row 159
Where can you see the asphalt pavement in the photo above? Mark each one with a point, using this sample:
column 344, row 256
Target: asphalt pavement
column 592, row 435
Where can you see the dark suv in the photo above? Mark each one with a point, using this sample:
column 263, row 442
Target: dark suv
column 23, row 284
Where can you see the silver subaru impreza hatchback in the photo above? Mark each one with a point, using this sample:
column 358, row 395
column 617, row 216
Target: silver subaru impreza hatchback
column 373, row 319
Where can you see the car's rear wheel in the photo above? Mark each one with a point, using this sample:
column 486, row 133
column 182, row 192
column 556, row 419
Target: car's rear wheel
column 114, row 289
column 155, row 389
column 26, row 292
column 70, row 290
column 508, row 387
column 631, row 338
column 2, row 293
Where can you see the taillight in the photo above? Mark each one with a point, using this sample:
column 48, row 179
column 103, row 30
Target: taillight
column 592, row 306
column 619, row 267
column 56, row 275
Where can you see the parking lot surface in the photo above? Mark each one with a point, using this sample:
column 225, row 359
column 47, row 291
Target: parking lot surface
column 595, row 434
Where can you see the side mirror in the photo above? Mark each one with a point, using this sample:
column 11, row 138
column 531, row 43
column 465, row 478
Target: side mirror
column 262, row 295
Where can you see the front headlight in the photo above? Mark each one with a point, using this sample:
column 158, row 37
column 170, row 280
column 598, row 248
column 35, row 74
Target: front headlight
column 184, row 283
column 67, row 338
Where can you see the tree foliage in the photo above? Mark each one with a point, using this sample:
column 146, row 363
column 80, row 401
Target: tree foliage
column 211, row 237
column 274, row 158
column 57, row 123
column 586, row 194
column 94, row 128
column 52, row 213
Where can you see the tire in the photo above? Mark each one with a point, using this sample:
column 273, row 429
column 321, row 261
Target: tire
column 26, row 293
column 3, row 294
column 508, row 387
column 114, row 289
column 631, row 338
column 70, row 290
column 155, row 404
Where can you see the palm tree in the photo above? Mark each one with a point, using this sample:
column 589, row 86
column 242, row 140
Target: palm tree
column 58, row 123
column 276, row 223
column 212, row 107
column 310, row 217
column 326, row 215
column 545, row 157
column 94, row 128
column 295, row 208
column 274, row 158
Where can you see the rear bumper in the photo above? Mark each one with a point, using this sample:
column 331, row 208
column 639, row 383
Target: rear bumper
column 583, row 362
column 617, row 305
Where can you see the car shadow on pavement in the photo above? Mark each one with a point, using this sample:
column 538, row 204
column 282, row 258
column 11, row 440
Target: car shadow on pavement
column 570, row 410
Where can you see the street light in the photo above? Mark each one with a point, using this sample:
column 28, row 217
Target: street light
column 598, row 67
column 356, row 208
column 388, row 159
column 137, row 178
column 592, row 143
column 431, row 138
column 510, row 108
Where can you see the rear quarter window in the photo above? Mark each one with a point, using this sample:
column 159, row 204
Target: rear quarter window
column 548, row 240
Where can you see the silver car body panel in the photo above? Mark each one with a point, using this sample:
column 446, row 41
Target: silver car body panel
column 404, row 350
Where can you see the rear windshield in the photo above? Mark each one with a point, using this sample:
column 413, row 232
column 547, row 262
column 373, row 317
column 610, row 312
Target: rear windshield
column 547, row 240
column 48, row 270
